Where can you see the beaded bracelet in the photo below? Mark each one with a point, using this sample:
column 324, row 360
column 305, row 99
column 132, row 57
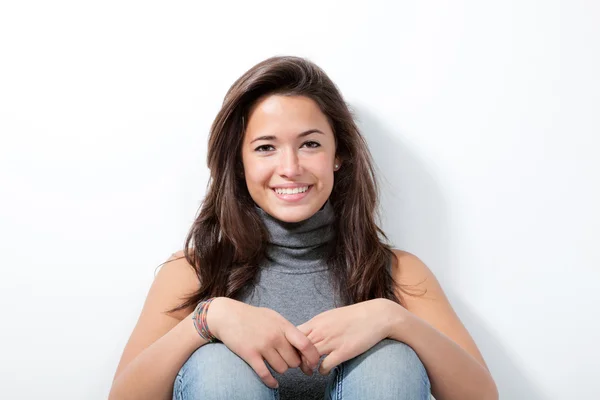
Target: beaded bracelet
column 199, row 318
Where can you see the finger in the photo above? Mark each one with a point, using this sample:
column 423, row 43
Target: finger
column 315, row 336
column 304, row 328
column 310, row 332
column 303, row 344
column 330, row 362
column 305, row 368
column 275, row 361
column 289, row 354
column 258, row 365
column 325, row 347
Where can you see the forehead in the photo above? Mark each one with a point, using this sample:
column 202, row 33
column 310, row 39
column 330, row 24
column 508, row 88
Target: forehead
column 285, row 115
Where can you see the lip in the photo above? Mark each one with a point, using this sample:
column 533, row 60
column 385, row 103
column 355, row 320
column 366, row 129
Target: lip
column 290, row 185
column 292, row 197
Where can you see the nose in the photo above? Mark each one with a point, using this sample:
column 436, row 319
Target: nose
column 289, row 164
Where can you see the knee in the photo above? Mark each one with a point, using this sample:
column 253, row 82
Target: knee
column 398, row 358
column 390, row 367
column 215, row 372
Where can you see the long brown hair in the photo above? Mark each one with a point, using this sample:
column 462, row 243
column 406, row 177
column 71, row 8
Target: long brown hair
column 227, row 241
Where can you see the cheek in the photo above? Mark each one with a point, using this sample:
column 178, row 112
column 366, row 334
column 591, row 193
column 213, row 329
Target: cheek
column 257, row 174
column 322, row 168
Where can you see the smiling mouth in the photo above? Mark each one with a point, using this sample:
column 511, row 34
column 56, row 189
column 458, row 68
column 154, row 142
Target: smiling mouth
column 292, row 191
column 292, row 195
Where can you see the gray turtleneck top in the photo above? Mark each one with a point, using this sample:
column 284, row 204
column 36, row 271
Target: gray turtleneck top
column 294, row 281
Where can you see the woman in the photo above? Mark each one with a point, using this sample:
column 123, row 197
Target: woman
column 284, row 272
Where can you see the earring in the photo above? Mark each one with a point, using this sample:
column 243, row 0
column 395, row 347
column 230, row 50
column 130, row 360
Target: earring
column 336, row 166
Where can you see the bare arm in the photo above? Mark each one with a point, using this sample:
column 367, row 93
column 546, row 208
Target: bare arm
column 159, row 344
column 152, row 373
column 432, row 329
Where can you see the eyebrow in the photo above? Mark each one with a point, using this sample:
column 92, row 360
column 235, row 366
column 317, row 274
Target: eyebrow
column 271, row 137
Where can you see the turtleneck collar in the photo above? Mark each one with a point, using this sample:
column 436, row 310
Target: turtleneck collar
column 299, row 247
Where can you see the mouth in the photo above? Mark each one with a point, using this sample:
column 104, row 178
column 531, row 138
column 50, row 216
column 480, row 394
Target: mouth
column 292, row 194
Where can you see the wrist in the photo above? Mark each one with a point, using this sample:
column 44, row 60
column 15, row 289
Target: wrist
column 395, row 319
column 188, row 329
column 213, row 317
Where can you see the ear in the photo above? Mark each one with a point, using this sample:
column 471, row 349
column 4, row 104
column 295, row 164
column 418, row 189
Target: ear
column 337, row 162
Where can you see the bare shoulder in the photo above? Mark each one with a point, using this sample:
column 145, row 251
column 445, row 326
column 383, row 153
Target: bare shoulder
column 409, row 271
column 175, row 280
column 429, row 301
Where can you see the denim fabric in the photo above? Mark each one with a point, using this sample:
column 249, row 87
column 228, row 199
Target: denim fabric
column 213, row 372
column 389, row 370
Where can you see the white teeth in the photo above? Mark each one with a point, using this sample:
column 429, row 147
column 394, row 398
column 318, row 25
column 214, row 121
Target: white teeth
column 291, row 191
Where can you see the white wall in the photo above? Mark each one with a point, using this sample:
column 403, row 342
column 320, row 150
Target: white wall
column 482, row 116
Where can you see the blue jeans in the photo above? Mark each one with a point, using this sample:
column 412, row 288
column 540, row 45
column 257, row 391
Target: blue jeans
column 389, row 370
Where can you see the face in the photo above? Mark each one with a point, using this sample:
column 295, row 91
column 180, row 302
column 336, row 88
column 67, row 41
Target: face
column 288, row 155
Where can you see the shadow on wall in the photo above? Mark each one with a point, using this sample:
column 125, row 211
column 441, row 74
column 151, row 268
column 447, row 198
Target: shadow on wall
column 416, row 213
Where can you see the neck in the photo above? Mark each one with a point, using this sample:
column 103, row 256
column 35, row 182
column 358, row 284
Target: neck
column 299, row 247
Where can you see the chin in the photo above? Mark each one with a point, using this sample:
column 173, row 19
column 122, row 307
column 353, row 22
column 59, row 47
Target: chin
column 293, row 213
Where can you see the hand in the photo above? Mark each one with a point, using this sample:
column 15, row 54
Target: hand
column 344, row 333
column 259, row 334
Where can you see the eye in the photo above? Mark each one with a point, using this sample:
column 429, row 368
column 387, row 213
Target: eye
column 263, row 148
column 311, row 144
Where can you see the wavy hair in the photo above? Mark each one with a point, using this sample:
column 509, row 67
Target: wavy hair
column 227, row 240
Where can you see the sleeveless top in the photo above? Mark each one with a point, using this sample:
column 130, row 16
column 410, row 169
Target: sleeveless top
column 294, row 281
